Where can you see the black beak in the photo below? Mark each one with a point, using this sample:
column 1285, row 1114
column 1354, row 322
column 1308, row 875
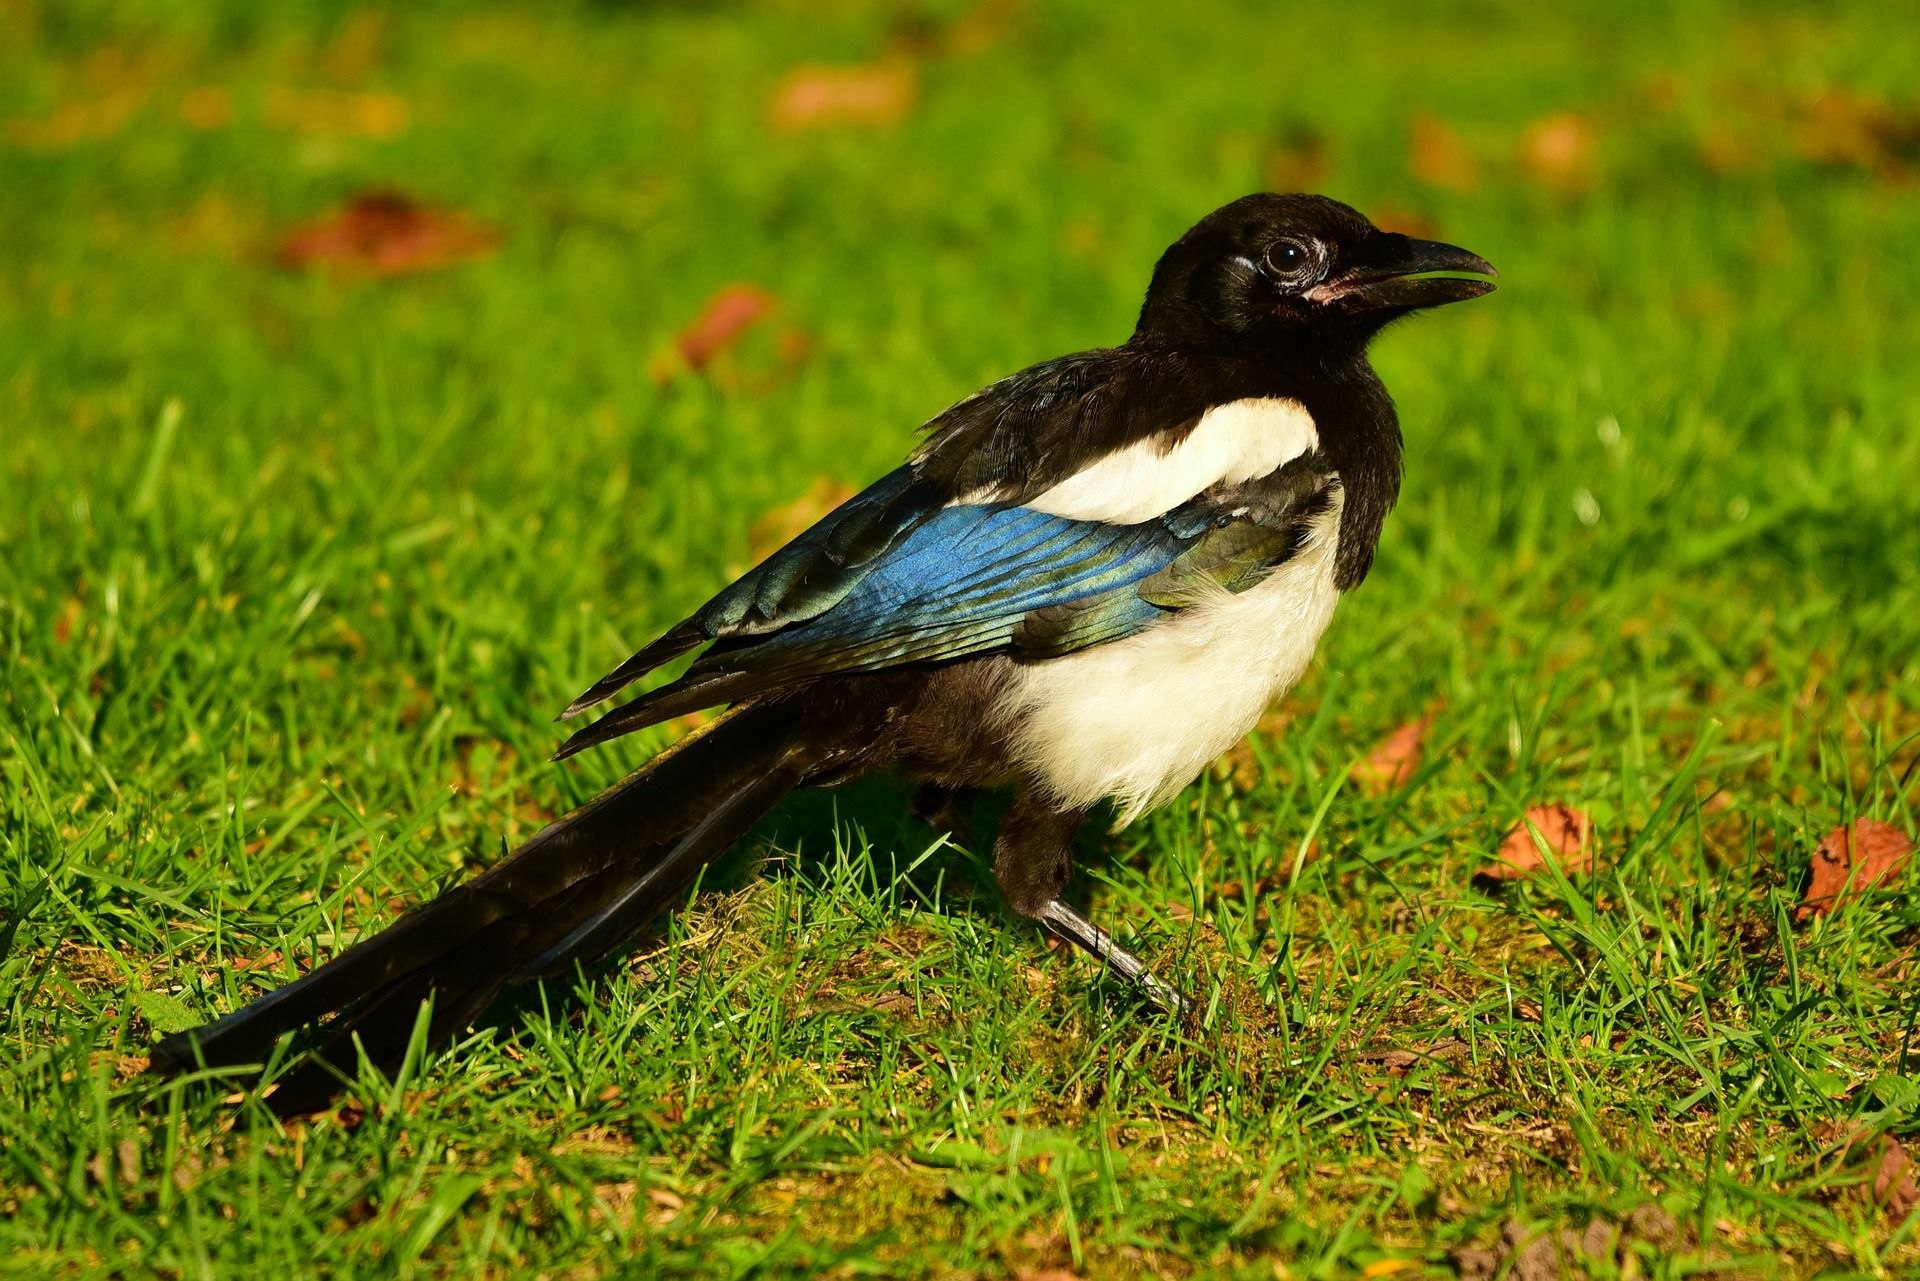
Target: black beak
column 1399, row 273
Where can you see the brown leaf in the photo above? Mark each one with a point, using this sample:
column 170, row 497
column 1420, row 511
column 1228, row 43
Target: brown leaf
column 876, row 95
column 1439, row 158
column 1558, row 150
column 1852, row 860
column 1567, row 833
column 1393, row 763
column 786, row 522
column 1896, row 1182
column 385, row 233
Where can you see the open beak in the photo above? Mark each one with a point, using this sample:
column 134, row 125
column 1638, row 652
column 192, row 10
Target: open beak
column 1400, row 273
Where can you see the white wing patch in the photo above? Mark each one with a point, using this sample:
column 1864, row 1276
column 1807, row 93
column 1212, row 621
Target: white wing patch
column 1237, row 441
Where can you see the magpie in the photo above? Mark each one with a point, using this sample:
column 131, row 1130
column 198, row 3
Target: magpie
column 1085, row 584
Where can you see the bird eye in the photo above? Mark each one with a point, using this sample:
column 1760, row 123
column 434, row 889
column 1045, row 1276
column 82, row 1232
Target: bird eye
column 1290, row 261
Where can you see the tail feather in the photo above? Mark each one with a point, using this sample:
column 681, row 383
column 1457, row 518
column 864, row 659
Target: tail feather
column 572, row 894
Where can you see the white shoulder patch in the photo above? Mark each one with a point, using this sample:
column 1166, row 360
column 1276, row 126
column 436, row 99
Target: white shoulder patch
column 1233, row 442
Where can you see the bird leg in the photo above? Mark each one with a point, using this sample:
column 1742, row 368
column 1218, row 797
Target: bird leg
column 1032, row 859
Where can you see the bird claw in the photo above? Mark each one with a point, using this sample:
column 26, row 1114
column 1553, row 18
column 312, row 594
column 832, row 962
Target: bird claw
column 1070, row 925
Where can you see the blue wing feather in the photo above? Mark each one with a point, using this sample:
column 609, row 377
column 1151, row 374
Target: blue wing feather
column 970, row 579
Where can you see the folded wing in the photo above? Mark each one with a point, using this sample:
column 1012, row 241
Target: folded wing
column 887, row 581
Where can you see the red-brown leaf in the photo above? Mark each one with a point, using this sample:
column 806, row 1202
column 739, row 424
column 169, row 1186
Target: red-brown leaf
column 723, row 322
column 1393, row 763
column 1438, row 157
column 1896, row 1183
column 385, row 233
column 814, row 97
column 1852, row 860
column 1567, row 833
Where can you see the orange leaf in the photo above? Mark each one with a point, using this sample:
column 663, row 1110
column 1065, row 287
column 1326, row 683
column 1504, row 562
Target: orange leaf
column 384, row 233
column 814, row 97
column 1438, row 157
column 728, row 315
column 1393, row 763
column 1558, row 150
column 1896, row 1184
column 783, row 524
column 1852, row 860
column 1567, row 833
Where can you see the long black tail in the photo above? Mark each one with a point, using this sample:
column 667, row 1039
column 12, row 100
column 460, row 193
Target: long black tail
column 573, row 893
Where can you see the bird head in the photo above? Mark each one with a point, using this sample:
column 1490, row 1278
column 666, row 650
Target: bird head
column 1269, row 272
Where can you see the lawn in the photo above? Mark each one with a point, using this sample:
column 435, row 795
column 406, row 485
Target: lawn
column 298, row 558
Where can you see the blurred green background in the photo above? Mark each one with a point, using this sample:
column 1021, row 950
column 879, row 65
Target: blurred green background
column 373, row 377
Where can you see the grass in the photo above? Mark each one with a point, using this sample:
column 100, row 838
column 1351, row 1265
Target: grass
column 296, row 568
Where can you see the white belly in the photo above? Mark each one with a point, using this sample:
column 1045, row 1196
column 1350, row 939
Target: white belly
column 1138, row 719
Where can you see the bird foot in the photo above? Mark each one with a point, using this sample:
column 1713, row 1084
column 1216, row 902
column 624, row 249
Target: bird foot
column 1070, row 925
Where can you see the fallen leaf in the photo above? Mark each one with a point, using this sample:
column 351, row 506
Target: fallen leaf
column 1392, row 764
column 788, row 521
column 263, row 961
column 1300, row 160
column 1558, row 151
column 1438, row 157
column 384, row 233
column 1896, row 1182
column 1567, row 833
column 728, row 316
column 1852, row 860
column 815, row 97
